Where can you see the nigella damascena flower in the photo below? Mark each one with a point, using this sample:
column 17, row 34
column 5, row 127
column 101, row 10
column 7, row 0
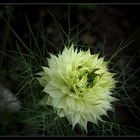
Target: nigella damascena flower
column 78, row 85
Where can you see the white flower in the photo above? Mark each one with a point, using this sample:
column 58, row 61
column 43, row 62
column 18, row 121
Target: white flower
column 78, row 85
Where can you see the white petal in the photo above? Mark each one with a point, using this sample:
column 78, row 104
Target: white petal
column 75, row 118
column 60, row 102
column 52, row 91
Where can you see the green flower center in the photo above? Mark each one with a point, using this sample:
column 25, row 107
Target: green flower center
column 84, row 78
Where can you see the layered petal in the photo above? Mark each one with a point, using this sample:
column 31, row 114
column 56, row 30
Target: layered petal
column 78, row 85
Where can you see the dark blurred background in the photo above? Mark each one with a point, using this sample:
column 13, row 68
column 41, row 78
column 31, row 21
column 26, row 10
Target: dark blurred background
column 103, row 26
